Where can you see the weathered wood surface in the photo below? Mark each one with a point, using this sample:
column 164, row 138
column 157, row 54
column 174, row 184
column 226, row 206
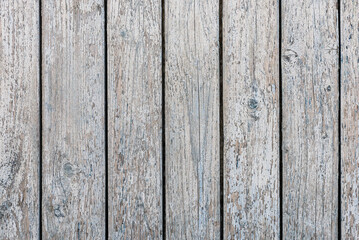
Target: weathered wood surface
column 310, row 119
column 251, row 119
column 73, row 119
column 192, row 119
column 135, row 119
column 74, row 108
column 19, row 119
column 349, row 119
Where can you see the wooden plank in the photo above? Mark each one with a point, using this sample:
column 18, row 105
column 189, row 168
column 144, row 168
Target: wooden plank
column 73, row 119
column 192, row 119
column 19, row 119
column 251, row 119
column 349, row 119
column 310, row 119
column 135, row 119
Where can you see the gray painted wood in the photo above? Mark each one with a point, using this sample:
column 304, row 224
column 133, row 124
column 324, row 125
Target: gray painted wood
column 310, row 119
column 135, row 119
column 192, row 119
column 19, row 119
column 251, row 119
column 73, row 119
column 349, row 119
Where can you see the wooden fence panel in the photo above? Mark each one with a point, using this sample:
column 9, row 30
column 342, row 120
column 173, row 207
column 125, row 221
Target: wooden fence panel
column 283, row 119
column 251, row 119
column 73, row 119
column 19, row 119
column 349, row 119
column 135, row 119
column 310, row 119
column 192, row 119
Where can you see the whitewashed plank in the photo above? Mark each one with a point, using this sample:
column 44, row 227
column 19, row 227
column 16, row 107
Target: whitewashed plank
column 251, row 119
column 192, row 119
column 310, row 119
column 135, row 119
column 19, row 119
column 73, row 119
column 349, row 119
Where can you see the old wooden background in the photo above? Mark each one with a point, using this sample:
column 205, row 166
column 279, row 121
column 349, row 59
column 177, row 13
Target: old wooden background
column 179, row 119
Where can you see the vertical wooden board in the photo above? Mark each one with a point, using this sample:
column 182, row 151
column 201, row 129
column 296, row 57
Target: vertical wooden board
column 310, row 119
column 135, row 119
column 251, row 119
column 192, row 119
column 349, row 119
column 73, row 119
column 19, row 119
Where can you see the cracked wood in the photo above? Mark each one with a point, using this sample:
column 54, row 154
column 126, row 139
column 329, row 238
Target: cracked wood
column 251, row 119
column 135, row 119
column 73, row 119
column 192, row 119
column 19, row 119
column 310, row 118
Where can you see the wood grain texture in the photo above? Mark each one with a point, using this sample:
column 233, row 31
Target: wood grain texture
column 135, row 119
column 73, row 119
column 310, row 119
column 192, row 119
column 251, row 119
column 349, row 119
column 19, row 119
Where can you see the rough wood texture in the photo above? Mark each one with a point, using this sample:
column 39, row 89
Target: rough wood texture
column 135, row 119
column 73, row 119
column 349, row 119
column 19, row 119
column 310, row 119
column 251, row 119
column 192, row 119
